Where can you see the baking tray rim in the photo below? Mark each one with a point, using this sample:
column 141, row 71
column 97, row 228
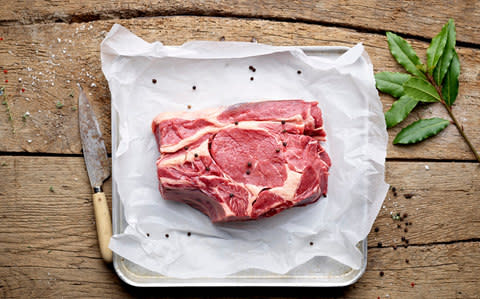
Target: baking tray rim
column 117, row 214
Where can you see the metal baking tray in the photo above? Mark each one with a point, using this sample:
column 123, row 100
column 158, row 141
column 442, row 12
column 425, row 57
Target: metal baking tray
column 136, row 275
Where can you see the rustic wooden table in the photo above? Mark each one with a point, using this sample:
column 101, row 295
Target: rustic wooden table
column 47, row 231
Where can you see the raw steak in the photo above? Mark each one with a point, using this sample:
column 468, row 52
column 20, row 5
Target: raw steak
column 245, row 161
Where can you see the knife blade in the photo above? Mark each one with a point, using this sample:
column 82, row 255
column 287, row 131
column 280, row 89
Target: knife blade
column 98, row 169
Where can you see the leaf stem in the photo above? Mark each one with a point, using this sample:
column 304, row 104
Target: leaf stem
column 454, row 119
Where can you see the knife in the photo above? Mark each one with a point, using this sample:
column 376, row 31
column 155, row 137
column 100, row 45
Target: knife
column 98, row 169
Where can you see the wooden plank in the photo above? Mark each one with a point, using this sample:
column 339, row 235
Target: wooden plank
column 420, row 18
column 439, row 200
column 442, row 202
column 438, row 271
column 49, row 246
column 50, row 59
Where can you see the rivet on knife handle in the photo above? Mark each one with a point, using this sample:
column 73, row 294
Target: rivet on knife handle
column 104, row 225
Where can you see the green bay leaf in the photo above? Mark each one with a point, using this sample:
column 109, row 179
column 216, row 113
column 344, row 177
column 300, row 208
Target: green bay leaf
column 399, row 110
column 421, row 130
column 404, row 54
column 436, row 48
column 391, row 83
column 421, row 90
column 444, row 61
column 450, row 82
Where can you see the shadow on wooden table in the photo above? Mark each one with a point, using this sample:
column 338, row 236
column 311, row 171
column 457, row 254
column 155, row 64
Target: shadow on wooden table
column 238, row 292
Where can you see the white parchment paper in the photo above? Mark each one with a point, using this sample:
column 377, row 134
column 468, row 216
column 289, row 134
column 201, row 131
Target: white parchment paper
column 356, row 142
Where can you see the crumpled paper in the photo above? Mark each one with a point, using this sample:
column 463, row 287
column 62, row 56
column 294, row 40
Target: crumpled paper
column 343, row 85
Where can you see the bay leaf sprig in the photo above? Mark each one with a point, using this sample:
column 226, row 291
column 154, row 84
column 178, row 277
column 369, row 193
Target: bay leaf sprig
column 435, row 81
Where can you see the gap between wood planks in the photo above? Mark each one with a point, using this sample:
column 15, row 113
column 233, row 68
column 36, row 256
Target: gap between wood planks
column 471, row 240
column 133, row 14
column 41, row 154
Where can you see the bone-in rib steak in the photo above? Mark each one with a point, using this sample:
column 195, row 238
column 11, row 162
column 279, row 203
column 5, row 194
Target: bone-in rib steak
column 245, row 161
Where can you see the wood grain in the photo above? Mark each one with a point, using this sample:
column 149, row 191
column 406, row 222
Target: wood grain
column 442, row 205
column 49, row 243
column 48, row 60
column 437, row 271
column 420, row 18
column 439, row 200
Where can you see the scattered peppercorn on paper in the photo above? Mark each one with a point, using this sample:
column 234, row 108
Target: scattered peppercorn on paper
column 178, row 241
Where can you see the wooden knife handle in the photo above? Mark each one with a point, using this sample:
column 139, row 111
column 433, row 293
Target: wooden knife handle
column 104, row 225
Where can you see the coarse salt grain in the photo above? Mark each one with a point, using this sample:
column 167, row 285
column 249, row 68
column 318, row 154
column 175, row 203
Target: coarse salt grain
column 427, row 167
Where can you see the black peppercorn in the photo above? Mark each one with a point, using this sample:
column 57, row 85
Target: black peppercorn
column 196, row 155
column 251, row 78
column 277, row 150
column 231, row 195
column 283, row 122
column 166, row 236
column 299, row 72
column 379, row 245
column 376, row 229
column 236, row 123
column 194, row 87
column 284, row 143
column 154, row 81
column 189, row 234
column 249, row 164
column 381, row 273
column 248, row 172
column 311, row 243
